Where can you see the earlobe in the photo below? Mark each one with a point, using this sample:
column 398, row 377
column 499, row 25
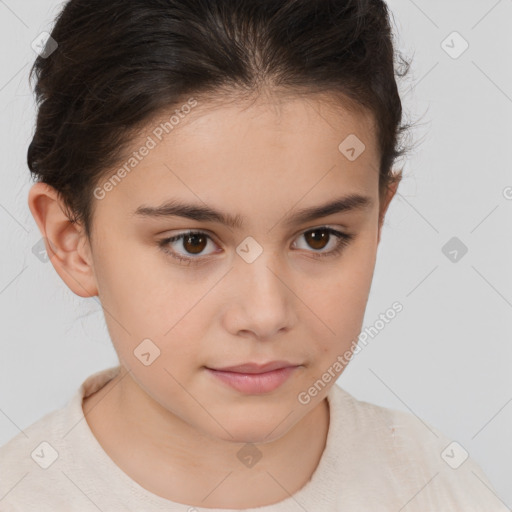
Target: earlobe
column 65, row 241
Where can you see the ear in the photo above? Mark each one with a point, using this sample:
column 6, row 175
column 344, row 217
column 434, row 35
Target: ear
column 386, row 199
column 66, row 243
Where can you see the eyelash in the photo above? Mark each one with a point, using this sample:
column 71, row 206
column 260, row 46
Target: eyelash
column 344, row 239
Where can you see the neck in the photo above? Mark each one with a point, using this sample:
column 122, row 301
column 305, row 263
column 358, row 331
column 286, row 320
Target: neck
column 180, row 462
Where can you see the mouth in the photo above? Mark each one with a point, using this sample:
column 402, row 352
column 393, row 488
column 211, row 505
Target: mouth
column 253, row 378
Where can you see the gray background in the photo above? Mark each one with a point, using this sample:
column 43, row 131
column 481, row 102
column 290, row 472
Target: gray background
column 445, row 357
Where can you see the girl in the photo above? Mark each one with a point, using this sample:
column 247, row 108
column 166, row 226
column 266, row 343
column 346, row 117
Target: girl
column 217, row 172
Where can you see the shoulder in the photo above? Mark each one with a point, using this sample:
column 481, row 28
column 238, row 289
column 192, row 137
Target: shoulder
column 389, row 430
column 26, row 458
column 40, row 465
column 385, row 423
column 396, row 455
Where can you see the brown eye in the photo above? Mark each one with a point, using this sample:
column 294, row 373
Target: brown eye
column 318, row 238
column 195, row 243
column 183, row 247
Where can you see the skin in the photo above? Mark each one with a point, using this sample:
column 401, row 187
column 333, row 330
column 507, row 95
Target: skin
column 184, row 427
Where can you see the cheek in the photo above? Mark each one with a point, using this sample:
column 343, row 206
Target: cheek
column 143, row 301
column 339, row 302
column 130, row 280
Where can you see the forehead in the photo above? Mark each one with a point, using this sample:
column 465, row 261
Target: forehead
column 301, row 123
column 244, row 151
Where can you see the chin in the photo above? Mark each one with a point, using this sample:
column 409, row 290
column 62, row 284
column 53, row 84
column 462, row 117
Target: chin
column 249, row 430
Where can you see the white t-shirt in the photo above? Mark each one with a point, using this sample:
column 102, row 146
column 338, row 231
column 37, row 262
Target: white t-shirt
column 376, row 459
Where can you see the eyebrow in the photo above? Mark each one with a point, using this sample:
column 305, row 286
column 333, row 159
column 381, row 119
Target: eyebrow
column 204, row 213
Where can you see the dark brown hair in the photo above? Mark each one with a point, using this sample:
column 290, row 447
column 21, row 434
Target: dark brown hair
column 120, row 62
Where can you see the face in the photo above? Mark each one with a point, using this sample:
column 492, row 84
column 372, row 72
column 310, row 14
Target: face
column 274, row 286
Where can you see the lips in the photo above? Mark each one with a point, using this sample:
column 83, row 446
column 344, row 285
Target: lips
column 254, row 383
column 256, row 368
column 255, row 378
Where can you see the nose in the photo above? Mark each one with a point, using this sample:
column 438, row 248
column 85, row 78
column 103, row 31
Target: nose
column 262, row 301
